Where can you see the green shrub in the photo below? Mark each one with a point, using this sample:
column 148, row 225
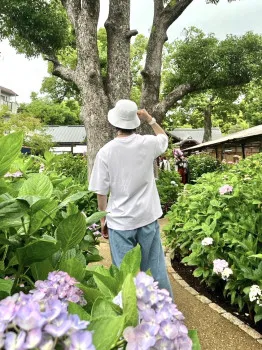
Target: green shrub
column 169, row 185
column 233, row 221
column 200, row 164
column 42, row 228
column 74, row 166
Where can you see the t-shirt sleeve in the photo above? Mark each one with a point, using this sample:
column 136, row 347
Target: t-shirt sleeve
column 161, row 144
column 99, row 180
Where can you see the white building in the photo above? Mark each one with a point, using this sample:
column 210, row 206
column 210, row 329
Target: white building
column 8, row 98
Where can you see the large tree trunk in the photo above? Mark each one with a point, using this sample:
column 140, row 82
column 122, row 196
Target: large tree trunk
column 207, row 124
column 98, row 97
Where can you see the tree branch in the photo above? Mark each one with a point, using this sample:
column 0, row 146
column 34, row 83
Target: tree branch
column 177, row 94
column 172, row 12
column 61, row 71
column 131, row 33
column 163, row 18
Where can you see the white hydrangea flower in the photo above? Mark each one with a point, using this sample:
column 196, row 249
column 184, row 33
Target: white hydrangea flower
column 207, row 241
column 219, row 265
column 226, row 273
column 118, row 299
column 255, row 292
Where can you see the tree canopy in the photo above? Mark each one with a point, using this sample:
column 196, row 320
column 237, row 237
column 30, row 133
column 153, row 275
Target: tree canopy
column 55, row 27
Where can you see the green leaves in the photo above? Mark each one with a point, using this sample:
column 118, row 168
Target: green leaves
column 36, row 251
column 5, row 288
column 37, row 185
column 71, row 231
column 95, row 217
column 11, row 212
column 194, row 337
column 129, row 301
column 107, row 331
column 74, row 268
column 131, row 262
column 76, row 309
column 233, row 222
column 10, row 147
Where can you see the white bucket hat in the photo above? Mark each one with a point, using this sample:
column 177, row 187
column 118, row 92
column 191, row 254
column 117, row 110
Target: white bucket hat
column 124, row 115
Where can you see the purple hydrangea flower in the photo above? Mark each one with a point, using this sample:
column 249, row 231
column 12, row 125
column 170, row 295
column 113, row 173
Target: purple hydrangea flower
column 59, row 285
column 178, row 153
column 160, row 322
column 41, row 320
column 82, row 341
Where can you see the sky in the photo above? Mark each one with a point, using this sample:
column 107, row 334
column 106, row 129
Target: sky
column 25, row 76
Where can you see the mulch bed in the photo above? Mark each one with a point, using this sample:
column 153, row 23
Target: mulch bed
column 186, row 272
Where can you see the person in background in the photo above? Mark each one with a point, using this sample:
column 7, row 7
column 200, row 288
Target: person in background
column 123, row 168
column 164, row 164
column 181, row 165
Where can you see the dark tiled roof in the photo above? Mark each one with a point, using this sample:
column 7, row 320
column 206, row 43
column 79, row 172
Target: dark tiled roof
column 236, row 136
column 182, row 134
column 8, row 91
column 67, row 134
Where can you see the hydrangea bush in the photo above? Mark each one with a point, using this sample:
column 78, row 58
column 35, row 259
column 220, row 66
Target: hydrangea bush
column 219, row 219
column 169, row 186
column 200, row 164
column 50, row 298
column 42, row 225
column 127, row 311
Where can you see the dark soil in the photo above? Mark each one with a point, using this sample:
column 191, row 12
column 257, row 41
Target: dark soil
column 186, row 272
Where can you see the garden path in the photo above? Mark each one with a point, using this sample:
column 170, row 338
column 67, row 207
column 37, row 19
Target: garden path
column 215, row 332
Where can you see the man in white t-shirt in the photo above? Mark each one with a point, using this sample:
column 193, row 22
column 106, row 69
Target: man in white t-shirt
column 123, row 169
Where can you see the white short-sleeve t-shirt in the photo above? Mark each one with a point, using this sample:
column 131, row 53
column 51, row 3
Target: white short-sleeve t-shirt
column 123, row 168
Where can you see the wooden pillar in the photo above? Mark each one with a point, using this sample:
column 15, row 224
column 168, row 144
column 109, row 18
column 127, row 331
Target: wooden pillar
column 243, row 150
column 222, row 151
column 216, row 152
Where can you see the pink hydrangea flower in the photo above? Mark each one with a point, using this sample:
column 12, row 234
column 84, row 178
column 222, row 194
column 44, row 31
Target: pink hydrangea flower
column 225, row 189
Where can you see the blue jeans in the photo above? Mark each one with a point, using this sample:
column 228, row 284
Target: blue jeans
column 151, row 248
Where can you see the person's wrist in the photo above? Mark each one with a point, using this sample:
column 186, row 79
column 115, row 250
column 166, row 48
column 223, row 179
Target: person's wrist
column 152, row 121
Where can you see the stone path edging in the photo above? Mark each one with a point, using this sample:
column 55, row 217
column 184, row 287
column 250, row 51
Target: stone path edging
column 231, row 318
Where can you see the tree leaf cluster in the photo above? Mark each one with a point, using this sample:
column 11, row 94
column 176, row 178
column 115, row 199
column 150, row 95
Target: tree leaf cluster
column 205, row 62
column 35, row 27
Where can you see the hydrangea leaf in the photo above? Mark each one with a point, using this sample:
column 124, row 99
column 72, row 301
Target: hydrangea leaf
column 90, row 294
column 107, row 331
column 71, row 231
column 11, row 212
column 95, row 217
column 76, row 309
column 37, row 185
column 36, row 251
column 74, row 268
column 5, row 287
column 194, row 337
column 131, row 262
column 129, row 301
column 10, row 148
column 41, row 269
column 102, row 307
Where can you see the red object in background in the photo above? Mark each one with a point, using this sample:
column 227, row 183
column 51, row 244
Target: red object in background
column 182, row 172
